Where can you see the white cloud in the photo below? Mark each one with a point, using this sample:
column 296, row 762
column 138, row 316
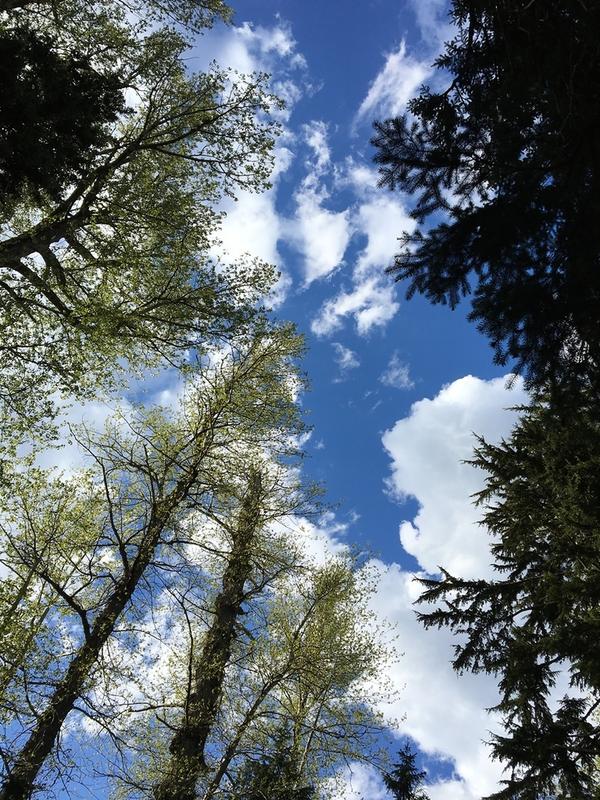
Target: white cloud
column 345, row 358
column 370, row 303
column 394, row 85
column 427, row 449
column 445, row 714
column 397, row 374
column 247, row 47
column 451, row 790
column 442, row 711
column 361, row 177
column 382, row 219
column 321, row 235
column 432, row 21
column 252, row 225
column 359, row 782
column 318, row 233
column 315, row 134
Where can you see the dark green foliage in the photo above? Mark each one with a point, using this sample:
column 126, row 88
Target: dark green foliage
column 404, row 782
column 540, row 613
column 505, row 162
column 274, row 777
column 53, row 109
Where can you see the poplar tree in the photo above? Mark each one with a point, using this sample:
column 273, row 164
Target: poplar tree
column 116, row 266
column 150, row 470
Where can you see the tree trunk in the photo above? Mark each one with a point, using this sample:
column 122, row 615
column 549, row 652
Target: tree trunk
column 187, row 747
column 20, row 781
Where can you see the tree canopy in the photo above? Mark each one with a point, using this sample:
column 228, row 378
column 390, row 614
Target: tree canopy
column 114, row 263
column 503, row 159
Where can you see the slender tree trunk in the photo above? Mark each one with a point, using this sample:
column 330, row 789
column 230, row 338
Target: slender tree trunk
column 20, row 782
column 187, row 747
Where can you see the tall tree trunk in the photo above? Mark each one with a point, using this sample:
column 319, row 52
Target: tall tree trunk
column 20, row 781
column 187, row 747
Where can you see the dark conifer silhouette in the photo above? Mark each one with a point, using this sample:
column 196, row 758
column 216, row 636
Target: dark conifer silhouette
column 539, row 614
column 504, row 162
column 405, row 781
column 54, row 109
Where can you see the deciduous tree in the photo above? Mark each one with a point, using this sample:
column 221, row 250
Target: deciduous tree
column 118, row 266
column 151, row 469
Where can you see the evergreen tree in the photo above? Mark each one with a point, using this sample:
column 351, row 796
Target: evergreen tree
column 405, row 781
column 505, row 164
column 54, row 110
column 274, row 777
column 539, row 615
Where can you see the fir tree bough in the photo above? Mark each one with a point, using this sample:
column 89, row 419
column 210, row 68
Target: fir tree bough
column 539, row 615
column 505, row 165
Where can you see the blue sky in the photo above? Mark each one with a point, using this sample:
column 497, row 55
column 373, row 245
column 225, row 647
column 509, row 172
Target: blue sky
column 398, row 387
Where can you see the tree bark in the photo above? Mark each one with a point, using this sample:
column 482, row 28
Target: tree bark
column 20, row 781
column 187, row 747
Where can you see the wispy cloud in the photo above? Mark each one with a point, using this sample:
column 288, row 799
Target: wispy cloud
column 394, row 85
column 371, row 303
column 345, row 358
column 397, row 374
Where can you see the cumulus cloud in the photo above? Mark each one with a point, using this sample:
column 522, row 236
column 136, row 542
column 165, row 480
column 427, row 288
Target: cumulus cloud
column 320, row 234
column 371, row 303
column 252, row 225
column 445, row 714
column 427, row 449
column 397, row 374
column 360, row 782
column 382, row 219
column 394, row 85
column 442, row 712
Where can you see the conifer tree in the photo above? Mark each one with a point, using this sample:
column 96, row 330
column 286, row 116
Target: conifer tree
column 503, row 161
column 537, row 620
column 404, row 781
